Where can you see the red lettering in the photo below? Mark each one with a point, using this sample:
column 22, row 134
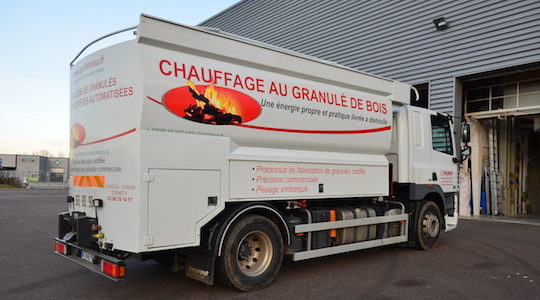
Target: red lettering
column 323, row 96
column 193, row 73
column 357, row 103
column 344, row 101
column 305, row 94
column 376, row 107
column 161, row 63
column 332, row 99
column 217, row 76
column 176, row 69
column 260, row 85
column 227, row 78
column 273, row 88
column 238, row 82
column 313, row 96
column 250, row 83
column 208, row 78
column 296, row 92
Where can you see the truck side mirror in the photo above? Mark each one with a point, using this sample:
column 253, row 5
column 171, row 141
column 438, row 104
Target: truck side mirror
column 465, row 133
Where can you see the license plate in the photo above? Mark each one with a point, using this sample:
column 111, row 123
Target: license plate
column 89, row 257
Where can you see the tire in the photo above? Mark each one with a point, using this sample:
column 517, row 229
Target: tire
column 429, row 226
column 252, row 254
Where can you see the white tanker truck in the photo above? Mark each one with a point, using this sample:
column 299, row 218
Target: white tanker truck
column 197, row 148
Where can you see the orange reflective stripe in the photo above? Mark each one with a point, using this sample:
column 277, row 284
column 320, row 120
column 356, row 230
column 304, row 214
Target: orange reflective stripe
column 99, row 182
column 89, row 181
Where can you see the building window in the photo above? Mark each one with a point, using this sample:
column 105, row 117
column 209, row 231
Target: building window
column 423, row 92
column 57, row 174
column 441, row 135
column 501, row 93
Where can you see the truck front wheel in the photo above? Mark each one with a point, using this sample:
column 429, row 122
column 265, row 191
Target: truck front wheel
column 252, row 253
column 428, row 226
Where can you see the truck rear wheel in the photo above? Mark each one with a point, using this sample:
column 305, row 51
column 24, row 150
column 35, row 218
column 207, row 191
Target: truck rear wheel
column 252, row 253
column 428, row 226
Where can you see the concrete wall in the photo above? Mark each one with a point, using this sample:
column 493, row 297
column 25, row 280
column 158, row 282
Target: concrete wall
column 29, row 164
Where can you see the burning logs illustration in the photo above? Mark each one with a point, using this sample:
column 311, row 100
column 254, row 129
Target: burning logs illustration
column 210, row 109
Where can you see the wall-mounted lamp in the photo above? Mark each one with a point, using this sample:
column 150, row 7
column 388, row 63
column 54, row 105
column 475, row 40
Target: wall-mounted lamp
column 440, row 23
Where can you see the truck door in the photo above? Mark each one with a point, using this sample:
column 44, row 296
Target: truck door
column 444, row 168
column 178, row 200
column 420, row 153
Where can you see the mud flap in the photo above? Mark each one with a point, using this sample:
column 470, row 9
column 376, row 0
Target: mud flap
column 200, row 267
column 452, row 221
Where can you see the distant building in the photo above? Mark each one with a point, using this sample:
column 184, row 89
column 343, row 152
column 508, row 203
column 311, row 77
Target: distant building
column 34, row 167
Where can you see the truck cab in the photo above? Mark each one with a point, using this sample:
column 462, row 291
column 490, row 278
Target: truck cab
column 423, row 158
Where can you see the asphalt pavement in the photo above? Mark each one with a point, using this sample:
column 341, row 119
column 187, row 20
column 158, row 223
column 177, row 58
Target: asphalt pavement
column 478, row 260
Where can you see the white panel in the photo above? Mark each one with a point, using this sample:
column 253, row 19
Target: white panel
column 274, row 180
column 178, row 200
column 418, row 130
column 420, row 152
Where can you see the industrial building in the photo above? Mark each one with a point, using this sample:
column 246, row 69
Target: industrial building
column 476, row 60
column 34, row 168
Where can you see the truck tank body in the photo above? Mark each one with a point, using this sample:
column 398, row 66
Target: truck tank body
column 168, row 128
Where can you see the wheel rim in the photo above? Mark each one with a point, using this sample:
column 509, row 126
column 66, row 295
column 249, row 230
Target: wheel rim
column 430, row 225
column 254, row 253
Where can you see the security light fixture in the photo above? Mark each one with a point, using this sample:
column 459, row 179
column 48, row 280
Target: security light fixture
column 440, row 23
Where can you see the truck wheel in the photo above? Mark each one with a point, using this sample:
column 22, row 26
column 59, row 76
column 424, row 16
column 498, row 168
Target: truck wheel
column 428, row 226
column 252, row 254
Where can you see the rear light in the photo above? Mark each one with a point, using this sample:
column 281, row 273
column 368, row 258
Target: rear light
column 60, row 248
column 98, row 235
column 113, row 270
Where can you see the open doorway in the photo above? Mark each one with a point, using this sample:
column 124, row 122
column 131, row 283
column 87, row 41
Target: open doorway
column 504, row 107
column 533, row 180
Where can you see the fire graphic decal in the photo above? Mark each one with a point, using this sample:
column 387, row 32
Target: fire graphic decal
column 211, row 104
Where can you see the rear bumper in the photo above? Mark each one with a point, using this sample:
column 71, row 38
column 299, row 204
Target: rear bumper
column 103, row 264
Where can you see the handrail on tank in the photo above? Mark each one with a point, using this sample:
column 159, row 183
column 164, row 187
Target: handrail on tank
column 99, row 39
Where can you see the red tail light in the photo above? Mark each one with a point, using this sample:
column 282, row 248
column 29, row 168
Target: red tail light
column 114, row 270
column 60, row 248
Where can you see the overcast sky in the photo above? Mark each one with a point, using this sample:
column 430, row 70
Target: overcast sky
column 38, row 39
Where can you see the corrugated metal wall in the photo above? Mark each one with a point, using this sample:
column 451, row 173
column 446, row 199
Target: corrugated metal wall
column 397, row 39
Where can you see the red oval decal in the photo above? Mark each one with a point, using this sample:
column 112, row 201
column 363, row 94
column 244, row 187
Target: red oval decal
column 78, row 134
column 211, row 104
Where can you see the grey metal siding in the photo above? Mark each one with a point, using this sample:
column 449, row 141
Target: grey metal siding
column 397, row 39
